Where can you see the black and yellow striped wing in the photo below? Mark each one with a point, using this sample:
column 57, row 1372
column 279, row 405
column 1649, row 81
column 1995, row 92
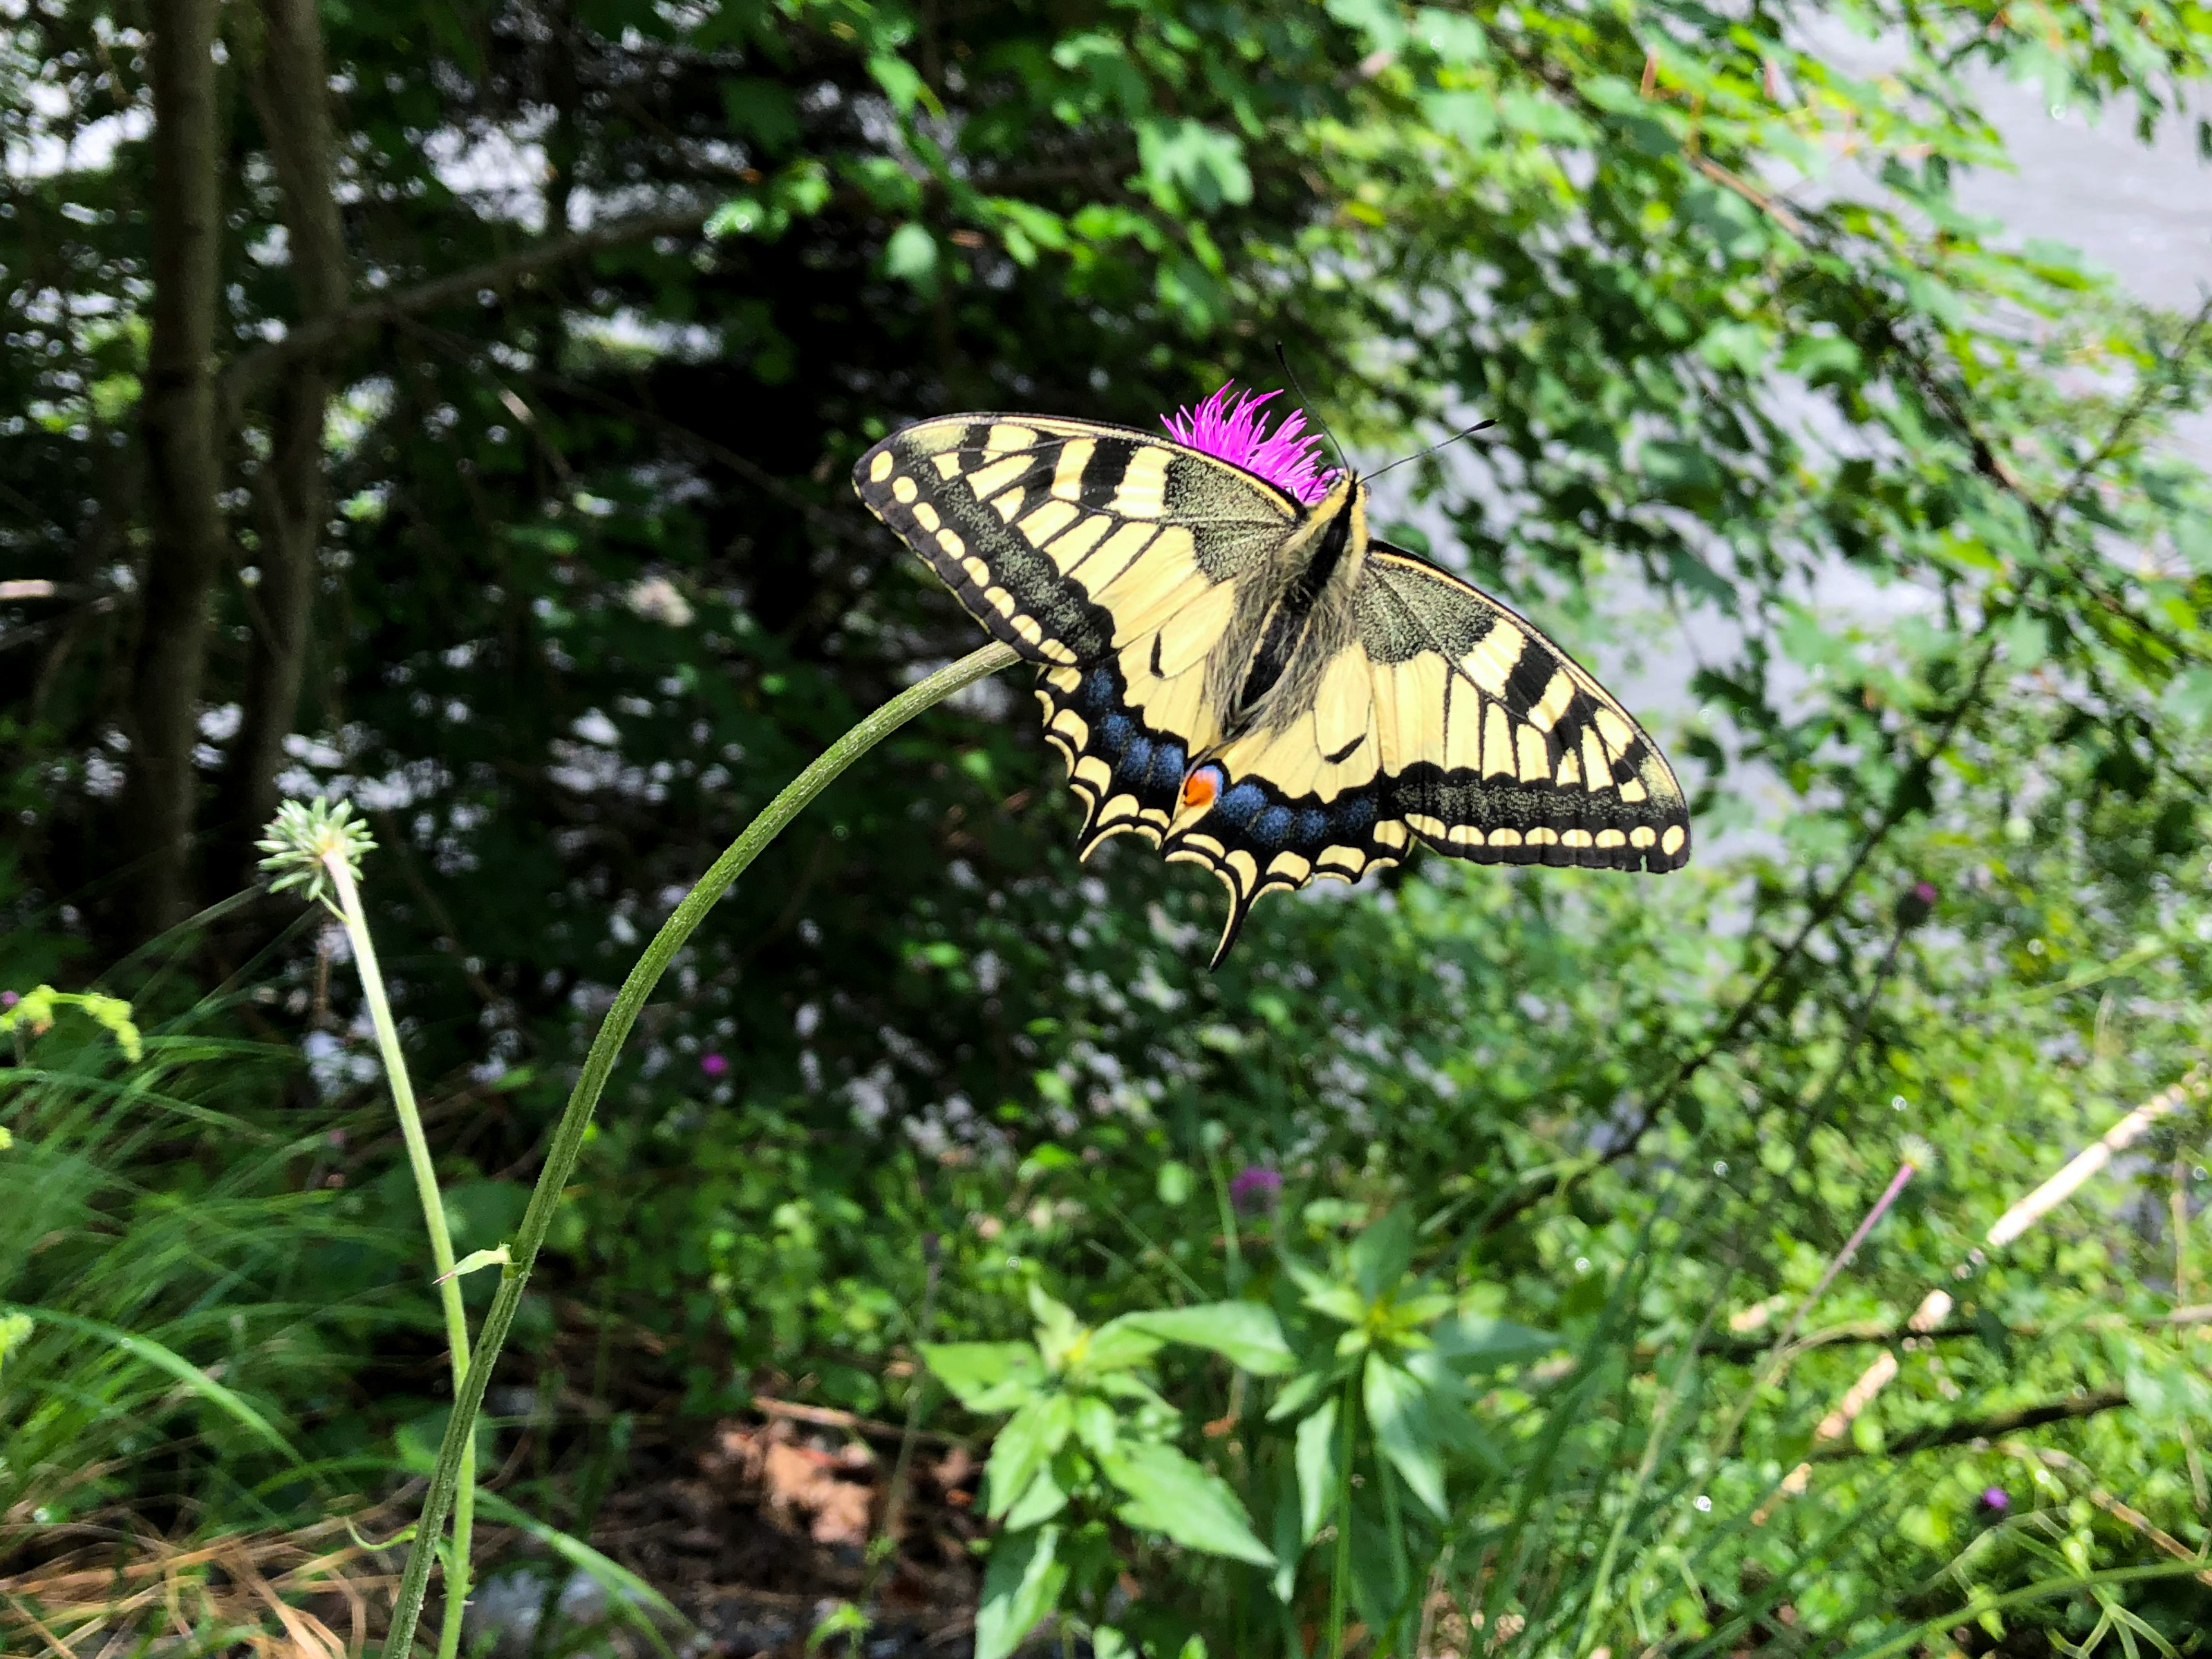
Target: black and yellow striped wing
column 1122, row 563
column 1442, row 717
column 1141, row 576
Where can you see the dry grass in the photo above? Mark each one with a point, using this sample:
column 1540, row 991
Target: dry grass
column 273, row 1594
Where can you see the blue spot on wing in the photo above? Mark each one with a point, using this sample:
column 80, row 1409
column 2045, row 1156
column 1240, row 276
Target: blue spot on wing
column 1356, row 814
column 1115, row 734
column 1169, row 764
column 1239, row 806
column 1271, row 829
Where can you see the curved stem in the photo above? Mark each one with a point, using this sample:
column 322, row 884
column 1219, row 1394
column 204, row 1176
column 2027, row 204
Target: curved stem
column 568, row 1134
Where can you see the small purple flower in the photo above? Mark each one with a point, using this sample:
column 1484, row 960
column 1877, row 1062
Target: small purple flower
column 1232, row 425
column 714, row 1064
column 1995, row 1500
column 1255, row 1187
column 9, row 999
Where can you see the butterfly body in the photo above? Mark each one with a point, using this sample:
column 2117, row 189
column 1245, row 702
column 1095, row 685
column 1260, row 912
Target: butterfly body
column 1258, row 684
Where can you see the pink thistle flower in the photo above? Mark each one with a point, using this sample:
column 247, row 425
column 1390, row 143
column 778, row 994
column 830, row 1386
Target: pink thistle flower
column 1230, row 424
column 1256, row 1188
column 714, row 1064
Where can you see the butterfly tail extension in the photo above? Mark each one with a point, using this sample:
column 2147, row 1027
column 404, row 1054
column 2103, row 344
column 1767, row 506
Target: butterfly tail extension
column 1239, row 908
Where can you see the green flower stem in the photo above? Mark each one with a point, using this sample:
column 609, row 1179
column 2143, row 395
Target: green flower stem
column 339, row 868
column 1339, row 1579
column 568, row 1134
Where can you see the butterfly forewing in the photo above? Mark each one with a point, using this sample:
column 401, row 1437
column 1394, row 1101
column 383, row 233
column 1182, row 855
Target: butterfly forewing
column 1115, row 560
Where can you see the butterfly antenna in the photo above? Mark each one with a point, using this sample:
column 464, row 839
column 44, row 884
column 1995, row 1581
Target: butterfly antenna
column 1480, row 426
column 1292, row 374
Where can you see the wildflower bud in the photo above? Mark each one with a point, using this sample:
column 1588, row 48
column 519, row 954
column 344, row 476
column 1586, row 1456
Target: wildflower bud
column 1915, row 905
column 1256, row 1188
column 1994, row 1504
column 714, row 1064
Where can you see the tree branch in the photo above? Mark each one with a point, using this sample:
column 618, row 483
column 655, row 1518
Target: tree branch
column 1963, row 1430
column 246, row 373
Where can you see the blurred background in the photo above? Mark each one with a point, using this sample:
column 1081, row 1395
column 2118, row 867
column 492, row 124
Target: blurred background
column 449, row 409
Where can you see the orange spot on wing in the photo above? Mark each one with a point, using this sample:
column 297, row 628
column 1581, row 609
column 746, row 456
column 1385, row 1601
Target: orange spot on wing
column 1202, row 787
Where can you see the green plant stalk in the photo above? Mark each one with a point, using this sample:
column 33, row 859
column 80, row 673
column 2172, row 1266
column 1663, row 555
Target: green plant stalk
column 433, row 1222
column 575, row 1118
column 1340, row 1578
column 1601, row 1595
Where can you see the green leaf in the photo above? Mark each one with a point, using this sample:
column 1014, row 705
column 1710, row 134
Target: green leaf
column 1299, row 1393
column 1045, row 1498
column 1289, row 1543
column 475, row 1261
column 1338, row 1302
column 1380, row 1257
column 741, row 215
column 1058, row 1329
column 2189, row 694
column 986, row 1377
column 1473, row 1342
column 1317, row 1472
column 1245, row 1333
column 911, row 256
column 1096, row 1427
column 1031, row 1436
column 1119, row 1344
column 903, row 84
column 1396, row 1409
column 1169, row 1494
column 1180, row 157
column 842, row 1619
column 1021, row 1586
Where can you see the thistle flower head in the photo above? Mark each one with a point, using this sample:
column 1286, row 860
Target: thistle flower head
column 304, row 840
column 1233, row 425
column 1255, row 1187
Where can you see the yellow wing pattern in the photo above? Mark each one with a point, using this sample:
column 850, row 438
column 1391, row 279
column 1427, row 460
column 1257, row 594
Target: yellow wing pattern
column 1400, row 704
column 1120, row 562
column 1445, row 717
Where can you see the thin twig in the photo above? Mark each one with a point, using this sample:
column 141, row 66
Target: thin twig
column 1886, row 1332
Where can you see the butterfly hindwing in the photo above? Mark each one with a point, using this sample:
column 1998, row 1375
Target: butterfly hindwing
column 1116, row 561
column 1507, row 751
column 1441, row 716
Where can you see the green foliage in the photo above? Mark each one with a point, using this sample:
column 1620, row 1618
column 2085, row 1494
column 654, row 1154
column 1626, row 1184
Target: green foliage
column 595, row 588
column 33, row 1014
column 164, row 1342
